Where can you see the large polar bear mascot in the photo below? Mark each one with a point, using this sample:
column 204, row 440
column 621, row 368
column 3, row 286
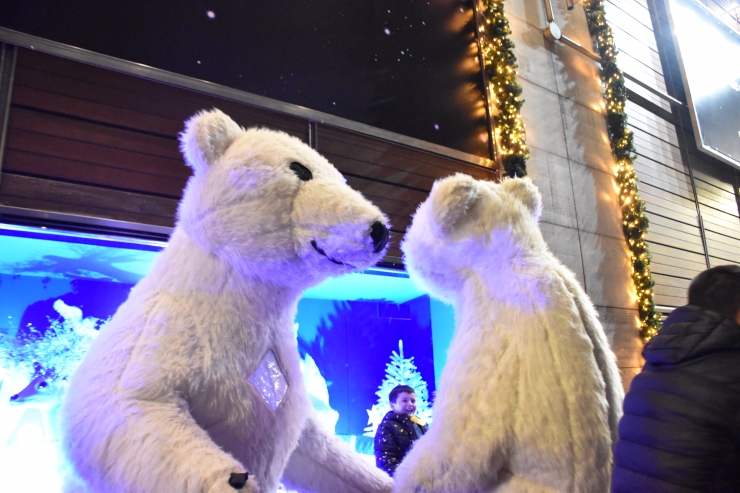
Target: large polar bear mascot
column 530, row 397
column 196, row 379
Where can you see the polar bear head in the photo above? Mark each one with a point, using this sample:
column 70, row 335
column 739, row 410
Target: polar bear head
column 467, row 226
column 271, row 207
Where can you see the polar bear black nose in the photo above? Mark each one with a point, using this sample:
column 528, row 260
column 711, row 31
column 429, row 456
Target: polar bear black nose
column 379, row 234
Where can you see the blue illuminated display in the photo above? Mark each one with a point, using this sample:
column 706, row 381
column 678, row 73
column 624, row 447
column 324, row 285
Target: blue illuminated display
column 57, row 289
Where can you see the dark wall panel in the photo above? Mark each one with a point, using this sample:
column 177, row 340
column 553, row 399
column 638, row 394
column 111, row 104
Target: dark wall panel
column 87, row 141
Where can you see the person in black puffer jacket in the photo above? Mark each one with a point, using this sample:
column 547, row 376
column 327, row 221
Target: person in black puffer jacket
column 398, row 430
column 680, row 432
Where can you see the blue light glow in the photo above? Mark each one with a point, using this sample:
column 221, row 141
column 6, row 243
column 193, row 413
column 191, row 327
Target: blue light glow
column 57, row 288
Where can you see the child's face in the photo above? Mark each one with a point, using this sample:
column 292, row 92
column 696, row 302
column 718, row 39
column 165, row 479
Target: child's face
column 405, row 404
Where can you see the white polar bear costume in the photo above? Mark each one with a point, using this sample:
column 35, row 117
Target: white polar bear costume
column 530, row 397
column 197, row 375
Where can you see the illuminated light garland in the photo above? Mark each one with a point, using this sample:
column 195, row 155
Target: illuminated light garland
column 499, row 63
column 500, row 70
column 634, row 221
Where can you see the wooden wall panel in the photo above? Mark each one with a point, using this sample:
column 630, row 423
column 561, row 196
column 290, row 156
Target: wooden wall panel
column 662, row 300
column 723, row 223
column 715, row 261
column 76, row 130
column 722, row 180
column 339, row 142
column 679, row 268
column 692, row 262
column 667, row 205
column 95, row 202
column 132, row 97
column 715, row 203
column 41, row 144
column 657, row 150
column 725, row 195
column 662, row 176
column 645, row 120
column 681, row 233
column 639, row 12
column 729, row 254
column 719, row 210
column 671, row 286
column 674, row 236
column 93, row 142
column 397, row 179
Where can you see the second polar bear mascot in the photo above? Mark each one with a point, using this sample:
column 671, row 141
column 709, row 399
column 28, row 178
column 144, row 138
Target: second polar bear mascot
column 196, row 380
column 530, row 397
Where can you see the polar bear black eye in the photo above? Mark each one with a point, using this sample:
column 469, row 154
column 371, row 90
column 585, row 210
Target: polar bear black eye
column 303, row 173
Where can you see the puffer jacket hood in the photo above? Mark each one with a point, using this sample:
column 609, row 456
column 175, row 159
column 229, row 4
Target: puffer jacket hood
column 690, row 333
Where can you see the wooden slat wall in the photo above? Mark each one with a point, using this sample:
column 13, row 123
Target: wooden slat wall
column 397, row 179
column 675, row 236
column 638, row 51
column 716, row 182
column 719, row 213
column 88, row 141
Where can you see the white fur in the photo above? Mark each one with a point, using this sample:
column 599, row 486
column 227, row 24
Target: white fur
column 530, row 397
column 162, row 401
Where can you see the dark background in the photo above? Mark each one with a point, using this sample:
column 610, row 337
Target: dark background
column 407, row 66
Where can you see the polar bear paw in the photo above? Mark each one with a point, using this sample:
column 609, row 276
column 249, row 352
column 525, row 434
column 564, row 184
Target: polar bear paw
column 223, row 486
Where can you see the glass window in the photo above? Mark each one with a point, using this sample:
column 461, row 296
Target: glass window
column 355, row 335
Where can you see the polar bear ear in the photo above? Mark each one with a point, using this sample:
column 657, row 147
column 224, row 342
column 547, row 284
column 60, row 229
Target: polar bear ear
column 526, row 192
column 206, row 137
column 451, row 198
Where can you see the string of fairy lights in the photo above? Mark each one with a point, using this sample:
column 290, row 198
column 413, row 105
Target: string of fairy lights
column 634, row 220
column 499, row 65
column 500, row 69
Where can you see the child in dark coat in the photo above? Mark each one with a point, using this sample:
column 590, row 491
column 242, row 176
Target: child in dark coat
column 398, row 430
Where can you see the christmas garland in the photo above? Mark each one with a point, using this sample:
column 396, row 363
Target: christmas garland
column 634, row 221
column 499, row 65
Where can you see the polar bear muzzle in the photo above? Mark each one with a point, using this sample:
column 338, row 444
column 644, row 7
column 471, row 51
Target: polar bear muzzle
column 322, row 252
column 378, row 233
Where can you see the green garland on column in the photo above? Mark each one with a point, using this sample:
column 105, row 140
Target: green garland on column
column 500, row 67
column 634, row 221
